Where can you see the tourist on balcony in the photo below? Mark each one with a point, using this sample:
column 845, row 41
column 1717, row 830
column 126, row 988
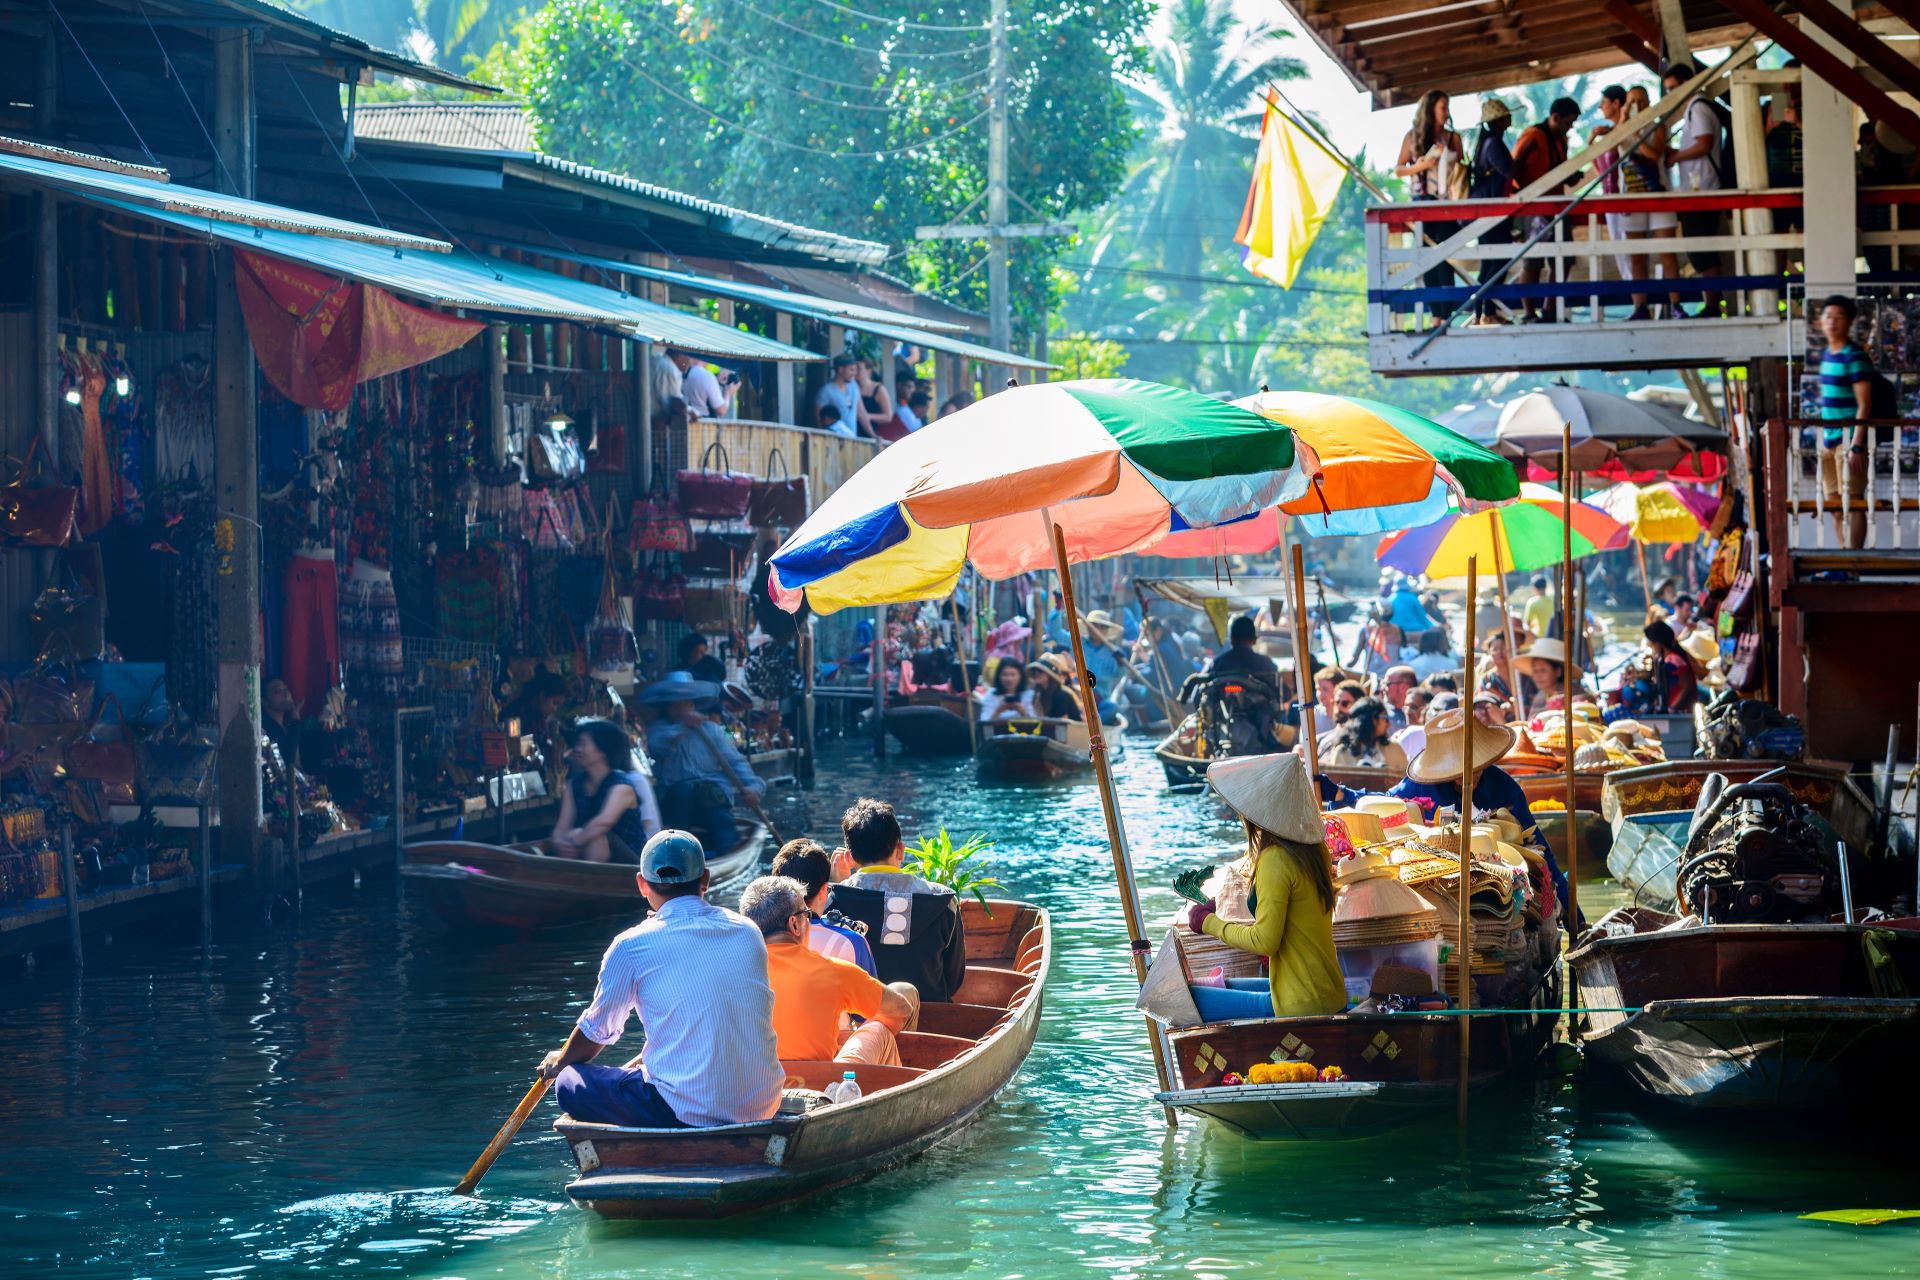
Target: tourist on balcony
column 840, row 398
column 875, row 399
column 1430, row 155
column 707, row 396
column 1784, row 165
column 1698, row 166
column 1542, row 148
column 1630, row 173
column 1663, row 225
column 1846, row 397
column 1492, row 180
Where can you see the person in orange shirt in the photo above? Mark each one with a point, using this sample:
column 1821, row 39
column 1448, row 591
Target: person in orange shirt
column 811, row 991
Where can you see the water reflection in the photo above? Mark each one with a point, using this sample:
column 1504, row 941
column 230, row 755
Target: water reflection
column 265, row 1115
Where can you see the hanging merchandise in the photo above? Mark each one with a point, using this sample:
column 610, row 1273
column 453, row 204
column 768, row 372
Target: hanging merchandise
column 370, row 631
column 83, row 382
column 310, row 624
column 715, row 493
column 125, row 425
column 612, row 650
column 467, row 595
column 554, row 454
column 317, row 336
column 659, row 593
column 73, row 615
column 173, row 764
column 108, row 762
column 656, row 523
column 502, row 498
column 711, row 609
column 183, row 424
column 47, row 705
column 719, row 554
column 36, row 516
column 778, row 503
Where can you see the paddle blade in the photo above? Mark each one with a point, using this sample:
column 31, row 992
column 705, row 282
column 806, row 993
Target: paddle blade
column 1862, row 1217
column 502, row 1138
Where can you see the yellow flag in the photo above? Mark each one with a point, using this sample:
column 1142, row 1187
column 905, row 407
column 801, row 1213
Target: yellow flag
column 1295, row 182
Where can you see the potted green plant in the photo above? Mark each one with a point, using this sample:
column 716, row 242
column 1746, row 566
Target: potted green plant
column 938, row 860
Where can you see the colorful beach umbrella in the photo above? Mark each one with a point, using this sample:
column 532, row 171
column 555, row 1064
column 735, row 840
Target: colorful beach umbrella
column 1605, row 427
column 1118, row 463
column 1518, row 538
column 1662, row 512
column 1591, row 522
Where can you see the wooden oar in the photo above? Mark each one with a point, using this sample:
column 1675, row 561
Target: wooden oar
column 502, row 1138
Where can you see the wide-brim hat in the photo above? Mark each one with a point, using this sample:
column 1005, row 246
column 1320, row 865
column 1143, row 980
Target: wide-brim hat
column 1494, row 107
column 1054, row 665
column 1447, row 738
column 1701, row 647
column 679, row 686
column 1551, row 649
column 1273, row 793
column 1102, row 621
column 1361, row 826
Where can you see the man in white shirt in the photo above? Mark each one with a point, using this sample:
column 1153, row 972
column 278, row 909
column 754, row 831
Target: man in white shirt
column 1697, row 165
column 705, row 394
column 696, row 976
column 667, row 383
column 841, row 397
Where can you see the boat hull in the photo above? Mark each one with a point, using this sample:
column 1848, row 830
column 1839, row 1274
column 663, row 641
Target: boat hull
column 1751, row 1017
column 971, row 1048
column 1184, row 772
column 1059, row 749
column 929, row 729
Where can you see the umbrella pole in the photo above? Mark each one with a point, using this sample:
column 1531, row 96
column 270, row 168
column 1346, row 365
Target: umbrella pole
column 960, row 651
column 877, row 668
column 1161, row 679
column 1646, row 588
column 1506, row 626
column 1297, row 588
column 1137, row 945
column 1464, row 958
column 1567, row 682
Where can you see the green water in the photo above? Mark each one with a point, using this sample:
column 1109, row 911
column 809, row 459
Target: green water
column 302, row 1108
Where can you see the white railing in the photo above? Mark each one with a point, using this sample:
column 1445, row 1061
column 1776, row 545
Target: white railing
column 1818, row 487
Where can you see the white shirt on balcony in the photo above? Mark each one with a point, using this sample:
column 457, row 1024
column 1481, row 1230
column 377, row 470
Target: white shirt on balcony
column 1699, row 173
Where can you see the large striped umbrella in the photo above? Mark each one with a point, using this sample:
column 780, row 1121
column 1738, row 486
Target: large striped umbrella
column 1604, row 428
column 1596, row 524
column 1118, row 463
column 1519, row 538
column 1659, row 512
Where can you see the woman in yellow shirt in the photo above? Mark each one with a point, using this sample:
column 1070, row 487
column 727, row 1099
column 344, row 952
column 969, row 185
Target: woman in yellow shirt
column 1293, row 894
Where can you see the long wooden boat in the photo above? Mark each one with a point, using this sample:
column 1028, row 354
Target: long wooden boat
column 962, row 1055
column 1400, row 1067
column 1752, row 1016
column 521, row 887
column 1030, row 749
column 933, row 724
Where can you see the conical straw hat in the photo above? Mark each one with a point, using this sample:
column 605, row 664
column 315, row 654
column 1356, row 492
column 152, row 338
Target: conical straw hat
column 1273, row 793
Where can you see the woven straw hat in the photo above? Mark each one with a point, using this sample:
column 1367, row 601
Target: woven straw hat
column 1273, row 793
column 1102, row 621
column 1446, row 747
column 1552, row 650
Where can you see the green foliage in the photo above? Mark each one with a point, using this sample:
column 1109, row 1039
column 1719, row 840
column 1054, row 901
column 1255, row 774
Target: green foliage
column 938, row 860
column 1081, row 355
column 822, row 115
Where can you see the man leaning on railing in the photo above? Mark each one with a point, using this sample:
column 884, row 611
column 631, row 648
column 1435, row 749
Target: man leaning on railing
column 1846, row 396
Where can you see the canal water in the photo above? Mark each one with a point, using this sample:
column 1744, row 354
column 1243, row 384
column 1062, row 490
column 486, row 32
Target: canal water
column 302, row 1107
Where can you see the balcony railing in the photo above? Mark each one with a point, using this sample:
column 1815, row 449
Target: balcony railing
column 1809, row 494
column 769, row 449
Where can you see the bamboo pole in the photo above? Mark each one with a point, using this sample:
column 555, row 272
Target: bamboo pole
column 877, row 672
column 1161, row 679
column 1137, row 944
column 1506, row 628
column 1646, row 587
column 1464, row 958
column 1297, row 588
column 960, row 652
column 1567, row 680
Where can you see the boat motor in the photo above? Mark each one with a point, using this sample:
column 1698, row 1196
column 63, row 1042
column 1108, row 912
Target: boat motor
column 1237, row 712
column 1755, row 855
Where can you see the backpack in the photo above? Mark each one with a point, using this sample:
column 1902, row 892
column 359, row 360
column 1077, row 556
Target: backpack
column 1722, row 152
column 1883, row 403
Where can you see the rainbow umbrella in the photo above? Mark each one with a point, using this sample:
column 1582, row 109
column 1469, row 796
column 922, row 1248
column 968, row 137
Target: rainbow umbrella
column 1518, row 538
column 1664, row 512
column 1593, row 523
column 1118, row 464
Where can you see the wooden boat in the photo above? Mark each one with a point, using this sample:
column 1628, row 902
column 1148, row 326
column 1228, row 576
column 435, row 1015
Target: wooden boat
column 961, row 1056
column 1751, row 1016
column 1184, row 772
column 933, row 724
column 1650, row 807
column 1041, row 748
column 522, row 887
column 1552, row 787
column 1400, row 1067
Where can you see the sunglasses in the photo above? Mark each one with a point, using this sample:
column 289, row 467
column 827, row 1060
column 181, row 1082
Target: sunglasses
column 1345, row 704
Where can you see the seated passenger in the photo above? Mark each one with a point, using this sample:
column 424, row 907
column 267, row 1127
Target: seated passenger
column 913, row 926
column 608, row 810
column 1052, row 698
column 1364, row 740
column 1241, row 658
column 1009, row 698
column 1292, row 892
column 812, row 991
column 708, row 1061
column 833, row 935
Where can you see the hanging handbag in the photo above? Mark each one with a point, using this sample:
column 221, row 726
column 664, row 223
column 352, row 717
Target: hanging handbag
column 1739, row 601
column 47, row 705
column 1748, row 668
column 659, row 595
column 718, row 554
column 546, row 526
column 70, row 612
column 715, row 494
column 554, row 454
column 173, row 764
column 711, row 608
column 781, row 503
column 612, row 650
column 655, row 522
column 108, row 763
column 36, row 517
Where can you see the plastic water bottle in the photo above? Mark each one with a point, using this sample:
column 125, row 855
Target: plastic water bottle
column 845, row 1089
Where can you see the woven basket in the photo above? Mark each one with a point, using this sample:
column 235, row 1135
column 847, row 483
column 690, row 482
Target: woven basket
column 1205, row 952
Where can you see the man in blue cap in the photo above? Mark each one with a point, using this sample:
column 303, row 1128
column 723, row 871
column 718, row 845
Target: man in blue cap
column 696, row 976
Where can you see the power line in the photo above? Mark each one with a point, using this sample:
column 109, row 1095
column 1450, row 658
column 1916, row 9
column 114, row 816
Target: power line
column 1188, row 278
column 144, row 149
column 174, row 76
column 770, row 140
column 334, row 146
column 738, row 51
column 877, row 20
column 845, row 47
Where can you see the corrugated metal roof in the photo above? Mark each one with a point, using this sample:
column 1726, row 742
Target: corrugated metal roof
column 348, row 48
column 80, row 159
column 102, row 184
column 475, row 283
column 870, row 288
column 469, row 126
column 810, row 305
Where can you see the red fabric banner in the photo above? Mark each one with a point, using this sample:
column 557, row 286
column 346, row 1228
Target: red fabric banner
column 317, row 336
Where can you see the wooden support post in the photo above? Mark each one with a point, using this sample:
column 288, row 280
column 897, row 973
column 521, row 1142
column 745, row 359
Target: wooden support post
column 70, row 890
column 877, row 672
column 1506, row 632
column 643, row 371
column 236, row 485
column 785, row 374
column 1750, row 156
column 1137, row 944
column 1464, row 959
column 1296, row 605
column 808, row 710
column 960, row 653
column 496, row 339
column 1568, row 676
column 204, row 853
column 399, row 790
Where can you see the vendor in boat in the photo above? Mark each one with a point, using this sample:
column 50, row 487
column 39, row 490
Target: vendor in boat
column 1293, row 897
column 813, row 992
column 1052, row 697
column 702, row 775
column 1675, row 684
column 1433, row 779
column 807, row 865
column 1364, row 740
column 1106, row 662
column 537, row 707
column 1009, row 697
column 696, row 977
column 698, row 662
column 1546, row 667
column 1242, row 658
column 608, row 811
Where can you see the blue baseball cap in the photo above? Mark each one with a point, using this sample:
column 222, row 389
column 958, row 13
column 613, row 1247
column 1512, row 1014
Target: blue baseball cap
column 673, row 857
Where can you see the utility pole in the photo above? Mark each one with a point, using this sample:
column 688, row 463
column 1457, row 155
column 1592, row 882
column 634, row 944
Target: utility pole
column 997, row 231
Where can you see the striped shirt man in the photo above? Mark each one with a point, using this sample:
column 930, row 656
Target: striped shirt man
column 696, row 977
column 1841, row 369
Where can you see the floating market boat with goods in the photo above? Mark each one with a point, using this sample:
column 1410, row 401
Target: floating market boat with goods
column 1026, row 749
column 963, row 1053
